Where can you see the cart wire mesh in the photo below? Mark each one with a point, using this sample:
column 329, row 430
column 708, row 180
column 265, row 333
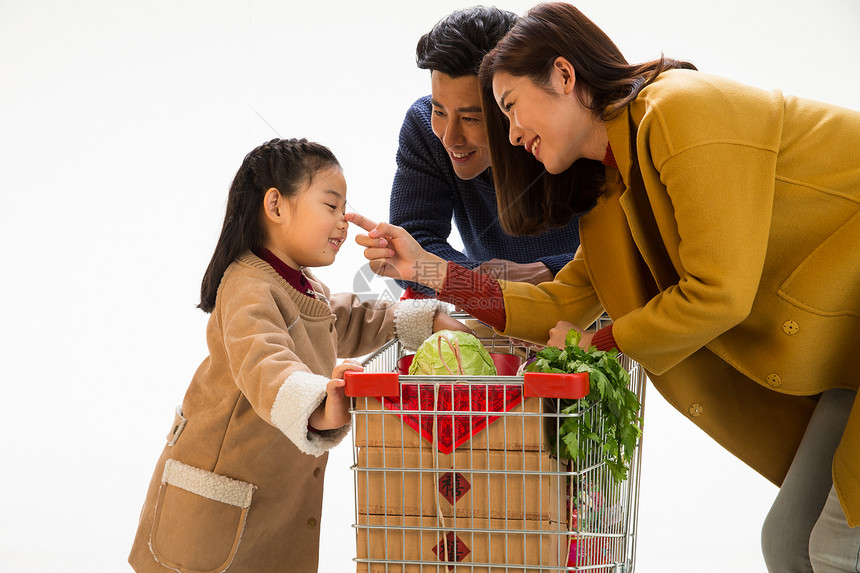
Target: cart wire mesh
column 462, row 473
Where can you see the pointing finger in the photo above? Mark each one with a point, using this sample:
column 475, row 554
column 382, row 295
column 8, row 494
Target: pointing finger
column 361, row 221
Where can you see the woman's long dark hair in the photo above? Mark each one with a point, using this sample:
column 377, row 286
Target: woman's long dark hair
column 530, row 199
column 285, row 164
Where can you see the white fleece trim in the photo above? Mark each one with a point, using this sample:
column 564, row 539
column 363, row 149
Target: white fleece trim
column 298, row 397
column 413, row 320
column 207, row 484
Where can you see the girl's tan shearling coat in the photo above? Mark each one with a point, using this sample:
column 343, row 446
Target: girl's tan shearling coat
column 727, row 252
column 239, row 484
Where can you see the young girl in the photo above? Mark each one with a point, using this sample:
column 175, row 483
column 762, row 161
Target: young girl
column 238, row 486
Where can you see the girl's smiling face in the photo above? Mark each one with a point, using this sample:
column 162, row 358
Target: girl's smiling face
column 550, row 122
column 308, row 229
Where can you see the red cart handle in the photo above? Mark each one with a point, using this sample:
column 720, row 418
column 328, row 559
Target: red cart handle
column 549, row 385
column 360, row 384
column 538, row 384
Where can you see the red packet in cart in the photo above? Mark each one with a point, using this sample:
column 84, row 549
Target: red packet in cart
column 448, row 415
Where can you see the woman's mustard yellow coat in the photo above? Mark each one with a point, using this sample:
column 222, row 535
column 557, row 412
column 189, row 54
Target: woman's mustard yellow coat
column 726, row 250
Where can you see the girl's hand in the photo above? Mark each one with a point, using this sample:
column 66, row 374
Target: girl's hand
column 443, row 321
column 334, row 411
column 393, row 253
column 558, row 334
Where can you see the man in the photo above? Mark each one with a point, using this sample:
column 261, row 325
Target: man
column 443, row 162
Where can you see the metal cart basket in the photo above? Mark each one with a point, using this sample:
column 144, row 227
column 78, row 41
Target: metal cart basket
column 459, row 473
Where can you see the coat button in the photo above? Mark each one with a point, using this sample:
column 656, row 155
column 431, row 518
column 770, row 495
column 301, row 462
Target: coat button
column 790, row 327
column 696, row 410
column 312, row 523
column 330, row 327
column 316, row 472
column 774, row 380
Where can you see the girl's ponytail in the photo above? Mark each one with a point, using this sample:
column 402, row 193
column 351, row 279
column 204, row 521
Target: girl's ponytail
column 285, row 164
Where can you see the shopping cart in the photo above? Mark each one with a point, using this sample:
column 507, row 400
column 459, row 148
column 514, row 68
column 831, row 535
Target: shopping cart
column 460, row 473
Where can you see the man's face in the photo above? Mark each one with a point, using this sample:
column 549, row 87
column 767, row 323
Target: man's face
column 458, row 122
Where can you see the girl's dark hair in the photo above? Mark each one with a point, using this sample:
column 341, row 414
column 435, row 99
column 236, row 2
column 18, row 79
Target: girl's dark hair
column 457, row 43
column 286, row 165
column 530, row 199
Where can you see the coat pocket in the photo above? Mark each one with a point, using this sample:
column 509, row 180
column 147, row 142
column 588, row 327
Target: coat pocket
column 199, row 519
column 827, row 282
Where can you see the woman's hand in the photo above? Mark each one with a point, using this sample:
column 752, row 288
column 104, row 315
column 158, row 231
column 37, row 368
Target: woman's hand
column 558, row 334
column 393, row 253
column 334, row 411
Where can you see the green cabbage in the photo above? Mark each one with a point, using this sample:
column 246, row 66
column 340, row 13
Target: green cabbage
column 433, row 355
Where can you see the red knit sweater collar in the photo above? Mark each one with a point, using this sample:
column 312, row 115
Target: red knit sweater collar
column 609, row 158
column 294, row 277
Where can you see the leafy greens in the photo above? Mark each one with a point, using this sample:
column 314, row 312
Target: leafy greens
column 608, row 417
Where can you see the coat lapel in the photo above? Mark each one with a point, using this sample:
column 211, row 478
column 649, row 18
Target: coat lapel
column 613, row 261
column 644, row 230
column 633, row 266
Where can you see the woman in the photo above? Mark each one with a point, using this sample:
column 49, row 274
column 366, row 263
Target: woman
column 721, row 237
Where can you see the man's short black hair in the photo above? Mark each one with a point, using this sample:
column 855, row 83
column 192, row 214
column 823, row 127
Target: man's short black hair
column 457, row 43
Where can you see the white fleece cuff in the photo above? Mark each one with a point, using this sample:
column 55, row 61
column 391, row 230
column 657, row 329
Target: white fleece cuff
column 299, row 395
column 413, row 320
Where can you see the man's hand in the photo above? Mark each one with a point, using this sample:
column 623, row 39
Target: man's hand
column 534, row 273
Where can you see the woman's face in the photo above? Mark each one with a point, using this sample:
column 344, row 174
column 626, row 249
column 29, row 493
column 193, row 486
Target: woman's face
column 552, row 124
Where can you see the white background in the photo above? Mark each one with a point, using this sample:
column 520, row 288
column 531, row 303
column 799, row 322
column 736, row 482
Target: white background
column 121, row 126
